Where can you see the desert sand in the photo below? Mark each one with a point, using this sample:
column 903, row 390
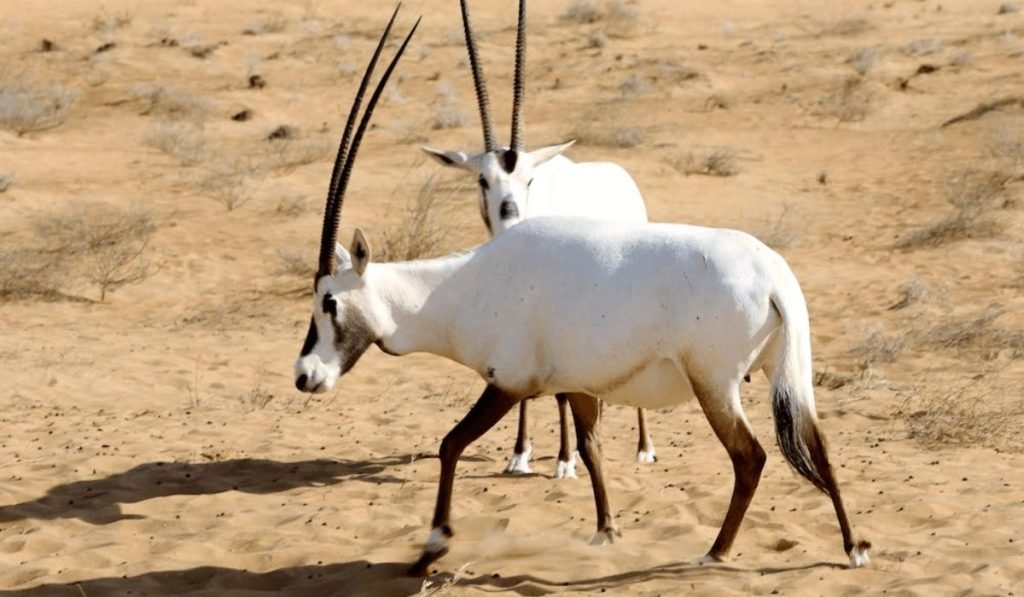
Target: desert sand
column 152, row 443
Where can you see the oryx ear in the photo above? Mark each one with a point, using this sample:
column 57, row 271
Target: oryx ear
column 451, row 159
column 539, row 156
column 360, row 252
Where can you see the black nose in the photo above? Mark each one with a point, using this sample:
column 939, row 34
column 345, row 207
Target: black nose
column 300, row 383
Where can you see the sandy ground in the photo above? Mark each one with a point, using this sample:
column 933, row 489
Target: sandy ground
column 152, row 443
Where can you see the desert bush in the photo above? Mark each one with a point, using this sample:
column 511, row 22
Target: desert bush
column 27, row 106
column 850, row 103
column 7, row 180
column 109, row 247
column 618, row 18
column 291, row 207
column 922, row 47
column 634, row 85
column 257, row 398
column 973, row 194
column 914, row 291
column 876, row 347
column 27, row 273
column 294, row 263
column 423, row 224
column 590, row 132
column 972, row 413
column 284, row 156
column 582, row 12
column 779, row 233
column 446, row 113
column 181, row 140
column 714, row 161
column 168, row 102
column 847, row 26
column 597, row 39
column 978, row 333
column 273, row 23
column 863, row 59
column 107, row 23
column 1008, row 8
column 230, row 182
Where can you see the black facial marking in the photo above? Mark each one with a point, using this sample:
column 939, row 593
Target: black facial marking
column 508, row 210
column 509, row 159
column 352, row 340
column 330, row 305
column 445, row 159
column 311, row 338
column 483, row 183
column 360, row 252
column 529, row 183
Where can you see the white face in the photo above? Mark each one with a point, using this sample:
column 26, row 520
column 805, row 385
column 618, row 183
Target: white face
column 504, row 180
column 338, row 332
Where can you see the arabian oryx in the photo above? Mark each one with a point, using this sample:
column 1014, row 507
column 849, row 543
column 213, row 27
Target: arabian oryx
column 516, row 185
column 647, row 315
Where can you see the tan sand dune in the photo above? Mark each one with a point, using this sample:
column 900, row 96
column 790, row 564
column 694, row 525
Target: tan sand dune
column 153, row 444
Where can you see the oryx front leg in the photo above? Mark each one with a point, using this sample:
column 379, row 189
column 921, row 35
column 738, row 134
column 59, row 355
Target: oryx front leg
column 493, row 404
column 520, row 461
column 586, row 412
column 645, row 453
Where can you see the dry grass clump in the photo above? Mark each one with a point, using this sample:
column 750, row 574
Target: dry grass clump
column 27, row 273
column 876, row 347
column 591, row 132
column 850, row 103
column 971, row 413
column 107, row 247
column 446, row 113
column 295, row 263
column 283, row 156
column 273, row 23
column 169, row 102
column 7, row 180
column 230, row 182
column 257, row 398
column 922, row 47
column 27, row 106
column 864, row 58
column 779, row 234
column 422, row 227
column 633, row 85
column 182, row 140
column 978, row 333
column 973, row 194
column 619, row 19
column 713, row 161
column 914, row 291
column 847, row 26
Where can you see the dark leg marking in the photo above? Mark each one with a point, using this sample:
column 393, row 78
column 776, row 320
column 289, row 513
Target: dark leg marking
column 492, row 405
column 563, row 425
column 586, row 412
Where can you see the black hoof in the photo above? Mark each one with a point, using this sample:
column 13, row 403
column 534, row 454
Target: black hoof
column 422, row 565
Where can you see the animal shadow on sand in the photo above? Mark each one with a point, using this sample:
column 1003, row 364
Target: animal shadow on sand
column 362, row 578
column 98, row 501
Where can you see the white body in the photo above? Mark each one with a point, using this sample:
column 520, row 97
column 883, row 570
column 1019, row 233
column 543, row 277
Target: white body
column 632, row 314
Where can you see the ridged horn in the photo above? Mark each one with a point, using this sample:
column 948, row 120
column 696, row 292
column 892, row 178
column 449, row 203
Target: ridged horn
column 478, row 80
column 519, row 88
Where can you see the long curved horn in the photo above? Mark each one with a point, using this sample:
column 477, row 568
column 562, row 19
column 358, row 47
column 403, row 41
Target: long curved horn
column 478, row 81
column 520, row 84
column 349, row 147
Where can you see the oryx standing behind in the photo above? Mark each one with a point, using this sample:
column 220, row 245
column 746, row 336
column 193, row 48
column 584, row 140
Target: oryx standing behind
column 666, row 313
column 516, row 185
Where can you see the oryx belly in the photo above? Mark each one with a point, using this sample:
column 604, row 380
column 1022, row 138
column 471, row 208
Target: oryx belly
column 659, row 383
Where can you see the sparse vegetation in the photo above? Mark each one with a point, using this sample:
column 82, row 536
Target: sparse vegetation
column 619, row 19
column 591, row 132
column 273, row 23
column 27, row 273
column 597, row 40
column 446, row 114
column 173, row 104
column 863, row 59
column 7, row 180
column 1008, row 8
column 257, row 398
column 182, row 140
column 714, row 161
column 106, row 23
column 779, row 234
column 291, row 207
column 294, row 263
column 850, row 103
column 876, row 347
column 962, row 413
column 423, row 225
column 922, row 47
column 848, row 26
column 633, row 85
column 913, row 292
column 973, row 194
column 108, row 247
column 978, row 333
column 230, row 182
column 27, row 106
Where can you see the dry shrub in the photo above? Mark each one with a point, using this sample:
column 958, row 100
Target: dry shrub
column 422, row 227
column 713, row 161
column 273, row 23
column 977, row 333
column 876, row 347
column 26, row 273
column 847, row 26
column 181, row 140
column 295, row 263
column 7, row 180
column 230, row 182
column 922, row 47
column 169, row 102
column 863, row 59
column 591, row 132
column 972, row 413
column 291, row 207
column 257, row 398
column 285, row 155
column 108, row 247
column 850, row 103
column 446, row 113
column 914, row 291
column 634, row 85
column 27, row 106
column 973, row 194
column 107, row 23
column 619, row 19
column 779, row 233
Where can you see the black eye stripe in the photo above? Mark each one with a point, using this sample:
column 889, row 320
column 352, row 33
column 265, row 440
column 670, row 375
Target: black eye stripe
column 484, row 184
column 330, row 305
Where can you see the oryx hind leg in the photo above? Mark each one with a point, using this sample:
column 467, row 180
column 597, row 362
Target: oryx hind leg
column 722, row 407
column 566, row 466
column 645, row 453
column 586, row 413
column 492, row 405
column 519, row 463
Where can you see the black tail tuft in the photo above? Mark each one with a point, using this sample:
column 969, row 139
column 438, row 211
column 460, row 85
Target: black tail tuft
column 792, row 443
